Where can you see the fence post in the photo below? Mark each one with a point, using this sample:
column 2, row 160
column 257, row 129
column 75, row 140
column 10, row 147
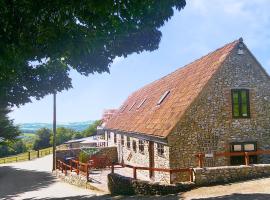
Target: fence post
column 16, row 159
column 78, row 170
column 65, row 169
column 112, row 168
column 38, row 153
column 191, row 175
column 246, row 158
column 87, row 172
column 29, row 156
column 134, row 172
column 62, row 168
column 200, row 156
column 70, row 163
column 170, row 176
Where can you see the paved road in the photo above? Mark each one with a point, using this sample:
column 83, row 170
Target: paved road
column 32, row 180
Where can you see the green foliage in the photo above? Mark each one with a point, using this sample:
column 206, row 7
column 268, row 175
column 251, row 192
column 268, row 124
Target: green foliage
column 8, row 132
column 12, row 148
column 83, row 157
column 41, row 41
column 63, row 135
column 92, row 128
column 42, row 139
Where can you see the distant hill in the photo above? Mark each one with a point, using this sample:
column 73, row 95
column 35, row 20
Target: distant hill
column 32, row 127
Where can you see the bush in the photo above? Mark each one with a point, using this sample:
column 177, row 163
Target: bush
column 83, row 157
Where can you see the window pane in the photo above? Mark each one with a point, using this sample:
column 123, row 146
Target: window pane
column 249, row 147
column 235, row 104
column 237, row 147
column 244, row 100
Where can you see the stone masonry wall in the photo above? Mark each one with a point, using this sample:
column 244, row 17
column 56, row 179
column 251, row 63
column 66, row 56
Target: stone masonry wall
column 215, row 175
column 129, row 156
column 208, row 126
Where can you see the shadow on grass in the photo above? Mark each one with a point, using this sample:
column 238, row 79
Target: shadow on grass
column 14, row 181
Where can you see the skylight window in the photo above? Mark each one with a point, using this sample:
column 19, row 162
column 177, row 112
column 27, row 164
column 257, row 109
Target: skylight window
column 123, row 108
column 162, row 98
column 132, row 106
column 141, row 103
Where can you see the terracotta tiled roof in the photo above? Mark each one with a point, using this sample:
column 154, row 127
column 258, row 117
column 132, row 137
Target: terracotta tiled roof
column 184, row 85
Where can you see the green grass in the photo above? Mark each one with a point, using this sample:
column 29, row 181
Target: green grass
column 28, row 134
column 25, row 156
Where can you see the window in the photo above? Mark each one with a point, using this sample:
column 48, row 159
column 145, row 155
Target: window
column 134, row 145
column 243, row 147
column 160, row 149
column 109, row 135
column 141, row 147
column 128, row 142
column 115, row 138
column 240, row 103
column 123, row 108
column 141, row 103
column 163, row 97
column 132, row 106
column 122, row 140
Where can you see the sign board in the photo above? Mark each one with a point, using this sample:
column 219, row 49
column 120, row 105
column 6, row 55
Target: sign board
column 209, row 155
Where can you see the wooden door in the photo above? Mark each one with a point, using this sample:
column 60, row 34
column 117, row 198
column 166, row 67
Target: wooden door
column 151, row 158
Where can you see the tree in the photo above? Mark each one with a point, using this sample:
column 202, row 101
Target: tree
column 62, row 135
column 8, row 132
column 42, row 139
column 92, row 128
column 41, row 41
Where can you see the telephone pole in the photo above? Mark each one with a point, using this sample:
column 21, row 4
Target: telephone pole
column 54, row 131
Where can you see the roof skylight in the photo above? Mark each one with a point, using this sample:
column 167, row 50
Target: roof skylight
column 141, row 103
column 132, row 106
column 162, row 98
column 123, row 108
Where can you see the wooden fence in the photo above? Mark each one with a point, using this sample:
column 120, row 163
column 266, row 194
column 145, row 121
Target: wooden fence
column 170, row 171
column 74, row 165
column 27, row 156
column 201, row 156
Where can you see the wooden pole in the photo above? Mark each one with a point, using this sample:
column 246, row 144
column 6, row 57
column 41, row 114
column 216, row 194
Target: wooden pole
column 54, row 130
column 29, row 155
column 134, row 173
column 200, row 160
column 246, row 158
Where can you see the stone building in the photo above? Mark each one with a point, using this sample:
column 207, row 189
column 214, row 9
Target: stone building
column 218, row 103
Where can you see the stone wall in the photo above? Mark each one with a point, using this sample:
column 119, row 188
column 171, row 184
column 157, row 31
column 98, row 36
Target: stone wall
column 137, row 158
column 208, row 126
column 120, row 185
column 110, row 152
column 227, row 174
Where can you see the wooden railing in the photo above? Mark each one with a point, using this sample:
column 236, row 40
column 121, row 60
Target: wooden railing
column 27, row 156
column 170, row 171
column 74, row 165
column 201, row 156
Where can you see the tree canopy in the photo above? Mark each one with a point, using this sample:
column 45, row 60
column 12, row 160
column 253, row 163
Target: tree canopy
column 42, row 139
column 8, row 132
column 41, row 41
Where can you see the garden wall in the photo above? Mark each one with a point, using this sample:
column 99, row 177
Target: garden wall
column 110, row 152
column 226, row 174
column 120, row 185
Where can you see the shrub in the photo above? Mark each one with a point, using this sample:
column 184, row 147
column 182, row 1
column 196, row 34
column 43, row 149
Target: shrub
column 83, row 157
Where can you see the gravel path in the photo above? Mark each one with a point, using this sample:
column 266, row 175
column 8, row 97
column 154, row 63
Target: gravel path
column 32, row 180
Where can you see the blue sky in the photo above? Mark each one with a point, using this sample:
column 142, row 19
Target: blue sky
column 203, row 26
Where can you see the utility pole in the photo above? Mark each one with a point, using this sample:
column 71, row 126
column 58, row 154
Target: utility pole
column 54, row 131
